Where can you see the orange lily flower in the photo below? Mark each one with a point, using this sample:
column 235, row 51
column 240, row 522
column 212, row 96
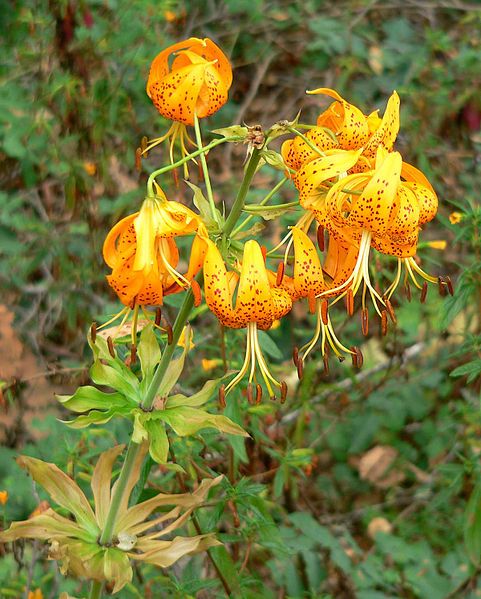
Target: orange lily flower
column 143, row 255
column 378, row 209
column 194, row 84
column 257, row 306
column 308, row 281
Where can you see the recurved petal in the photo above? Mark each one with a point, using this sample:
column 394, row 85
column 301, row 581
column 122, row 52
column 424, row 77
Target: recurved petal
column 388, row 128
column 119, row 239
column 398, row 248
column 427, row 201
column 160, row 65
column 213, row 93
column 313, row 174
column 216, row 284
column 371, row 210
column 405, row 214
column 254, row 300
column 346, row 120
column 412, row 174
column 308, row 275
column 47, row 526
column 175, row 95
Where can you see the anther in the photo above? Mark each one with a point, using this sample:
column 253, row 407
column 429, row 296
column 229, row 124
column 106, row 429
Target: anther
column 325, row 359
column 311, row 301
column 357, row 357
column 365, row 321
column 250, row 398
column 138, row 159
column 258, row 393
column 93, row 332
column 283, row 391
column 324, row 310
column 383, row 322
column 300, row 368
column 449, row 284
column 222, row 402
column 264, row 252
column 350, row 302
column 295, row 355
column 196, row 292
column 170, row 334
column 143, row 143
column 320, row 238
column 407, row 291
column 158, row 317
column 133, row 302
column 133, row 354
column 280, row 274
column 424, row 292
column 110, row 345
column 390, row 311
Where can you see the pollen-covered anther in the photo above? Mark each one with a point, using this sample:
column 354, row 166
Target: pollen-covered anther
column 249, row 393
column 258, row 394
column 280, row 273
column 93, row 332
column 424, row 292
column 325, row 312
column 158, row 317
column 390, row 311
column 133, row 354
column 295, row 355
column 357, row 357
column 264, row 252
column 383, row 323
column 110, row 345
column 407, row 291
column 170, row 334
column 283, row 391
column 442, row 287
column 312, row 302
column 196, row 292
column 138, row 159
column 222, row 402
column 300, row 368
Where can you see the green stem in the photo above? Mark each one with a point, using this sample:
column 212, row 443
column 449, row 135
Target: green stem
column 205, row 170
column 307, row 140
column 236, row 210
column 179, row 325
column 121, row 485
column 95, row 590
column 169, row 167
column 247, row 220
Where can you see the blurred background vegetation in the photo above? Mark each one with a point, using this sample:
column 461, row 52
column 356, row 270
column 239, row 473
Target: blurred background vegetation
column 363, row 485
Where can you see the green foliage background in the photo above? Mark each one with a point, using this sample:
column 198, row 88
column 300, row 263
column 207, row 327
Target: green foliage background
column 72, row 111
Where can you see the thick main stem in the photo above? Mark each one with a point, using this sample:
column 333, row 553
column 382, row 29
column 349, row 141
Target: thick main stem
column 121, row 484
column 177, row 329
column 96, row 590
column 236, row 210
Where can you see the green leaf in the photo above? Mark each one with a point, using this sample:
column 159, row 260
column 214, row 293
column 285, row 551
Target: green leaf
column 158, row 441
column 472, row 526
column 140, row 433
column 126, row 382
column 198, row 399
column 232, row 131
column 203, row 206
column 148, row 351
column 268, row 346
column 89, row 398
column 472, row 369
column 187, row 421
column 174, row 371
column 269, row 212
column 93, row 417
